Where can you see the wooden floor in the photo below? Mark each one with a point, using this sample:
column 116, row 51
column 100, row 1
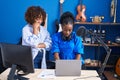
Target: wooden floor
column 110, row 75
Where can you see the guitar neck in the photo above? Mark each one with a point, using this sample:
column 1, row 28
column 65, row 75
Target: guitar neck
column 115, row 3
column 81, row 5
column 61, row 11
column 80, row 2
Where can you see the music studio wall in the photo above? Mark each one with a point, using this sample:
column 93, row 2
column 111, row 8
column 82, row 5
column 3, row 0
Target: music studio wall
column 12, row 14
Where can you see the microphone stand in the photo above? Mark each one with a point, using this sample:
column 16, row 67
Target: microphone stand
column 108, row 50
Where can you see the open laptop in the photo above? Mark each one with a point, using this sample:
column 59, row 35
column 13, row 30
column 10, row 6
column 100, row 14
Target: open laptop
column 68, row 68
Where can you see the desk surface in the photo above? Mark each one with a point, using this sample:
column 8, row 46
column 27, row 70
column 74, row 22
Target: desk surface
column 85, row 75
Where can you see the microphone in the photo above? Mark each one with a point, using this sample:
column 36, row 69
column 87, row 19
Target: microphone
column 82, row 31
column 85, row 33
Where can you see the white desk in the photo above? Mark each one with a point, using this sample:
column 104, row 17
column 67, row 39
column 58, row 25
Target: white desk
column 85, row 75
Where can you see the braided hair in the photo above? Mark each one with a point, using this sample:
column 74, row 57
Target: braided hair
column 67, row 18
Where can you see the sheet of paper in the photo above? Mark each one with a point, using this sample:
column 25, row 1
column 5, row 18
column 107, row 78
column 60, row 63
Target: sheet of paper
column 47, row 74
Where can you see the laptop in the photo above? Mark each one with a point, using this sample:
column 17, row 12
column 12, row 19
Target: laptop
column 68, row 68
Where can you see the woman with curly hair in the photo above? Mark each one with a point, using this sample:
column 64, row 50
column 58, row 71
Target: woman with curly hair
column 35, row 35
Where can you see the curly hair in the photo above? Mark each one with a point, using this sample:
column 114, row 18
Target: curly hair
column 33, row 13
column 67, row 18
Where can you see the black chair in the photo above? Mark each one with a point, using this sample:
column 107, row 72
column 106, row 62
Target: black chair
column 2, row 68
column 50, row 64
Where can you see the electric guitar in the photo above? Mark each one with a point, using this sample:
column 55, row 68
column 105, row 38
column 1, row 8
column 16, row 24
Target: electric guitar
column 81, row 12
column 117, row 67
column 58, row 26
column 113, row 9
column 45, row 22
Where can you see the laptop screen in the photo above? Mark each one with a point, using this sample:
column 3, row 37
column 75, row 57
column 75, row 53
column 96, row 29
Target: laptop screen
column 68, row 68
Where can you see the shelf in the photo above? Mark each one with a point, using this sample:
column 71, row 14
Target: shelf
column 87, row 65
column 92, row 63
column 98, row 64
column 107, row 66
column 110, row 45
column 93, row 23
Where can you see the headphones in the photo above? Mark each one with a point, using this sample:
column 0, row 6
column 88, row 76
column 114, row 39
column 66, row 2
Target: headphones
column 64, row 38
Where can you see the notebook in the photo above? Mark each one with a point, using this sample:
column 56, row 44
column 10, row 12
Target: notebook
column 68, row 68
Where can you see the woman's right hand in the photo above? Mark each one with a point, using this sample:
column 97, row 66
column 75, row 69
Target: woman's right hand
column 36, row 28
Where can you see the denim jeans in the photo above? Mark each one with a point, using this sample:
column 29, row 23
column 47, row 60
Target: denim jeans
column 38, row 60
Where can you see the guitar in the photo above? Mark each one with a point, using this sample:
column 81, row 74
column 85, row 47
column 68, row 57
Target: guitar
column 44, row 24
column 117, row 67
column 58, row 26
column 81, row 10
column 113, row 9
